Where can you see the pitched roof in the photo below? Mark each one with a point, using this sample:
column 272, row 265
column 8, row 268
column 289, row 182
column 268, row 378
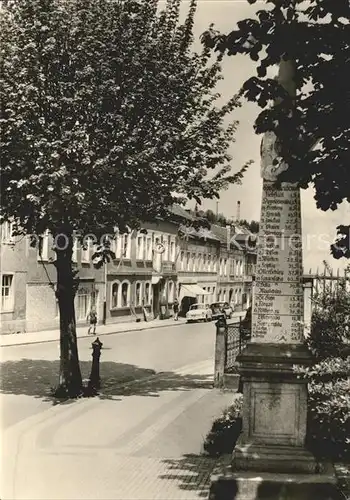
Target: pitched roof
column 220, row 232
column 200, row 233
column 238, row 235
column 179, row 211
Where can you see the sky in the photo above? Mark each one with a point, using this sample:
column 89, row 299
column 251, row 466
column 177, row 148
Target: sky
column 319, row 228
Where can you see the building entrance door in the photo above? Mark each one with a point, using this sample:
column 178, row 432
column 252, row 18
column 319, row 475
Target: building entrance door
column 156, row 300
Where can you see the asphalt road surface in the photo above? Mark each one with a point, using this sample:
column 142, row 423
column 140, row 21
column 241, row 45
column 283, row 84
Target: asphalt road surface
column 29, row 371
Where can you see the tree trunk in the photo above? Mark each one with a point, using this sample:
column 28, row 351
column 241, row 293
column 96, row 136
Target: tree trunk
column 70, row 380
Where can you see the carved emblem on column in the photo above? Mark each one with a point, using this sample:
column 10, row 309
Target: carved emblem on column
column 272, row 164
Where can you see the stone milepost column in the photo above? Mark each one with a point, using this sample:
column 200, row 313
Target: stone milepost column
column 275, row 400
column 278, row 300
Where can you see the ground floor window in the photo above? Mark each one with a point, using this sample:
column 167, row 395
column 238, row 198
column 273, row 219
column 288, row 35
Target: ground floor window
column 138, row 293
column 7, row 292
column 115, row 294
column 83, row 304
column 125, row 295
column 147, row 294
column 120, row 294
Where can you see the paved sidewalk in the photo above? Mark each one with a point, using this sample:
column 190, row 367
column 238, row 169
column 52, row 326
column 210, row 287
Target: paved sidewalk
column 53, row 335
column 13, row 339
column 144, row 444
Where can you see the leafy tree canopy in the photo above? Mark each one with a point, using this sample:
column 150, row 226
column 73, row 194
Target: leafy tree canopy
column 313, row 129
column 108, row 115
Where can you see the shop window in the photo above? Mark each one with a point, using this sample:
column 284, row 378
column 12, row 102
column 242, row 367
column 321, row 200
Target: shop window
column 83, row 303
column 115, row 294
column 125, row 294
column 147, row 297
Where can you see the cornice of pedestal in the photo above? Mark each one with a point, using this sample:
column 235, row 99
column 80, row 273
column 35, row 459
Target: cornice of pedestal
column 273, row 359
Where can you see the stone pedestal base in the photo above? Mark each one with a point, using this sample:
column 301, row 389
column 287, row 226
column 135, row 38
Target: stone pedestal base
column 274, row 410
column 231, row 382
column 266, row 486
column 281, row 459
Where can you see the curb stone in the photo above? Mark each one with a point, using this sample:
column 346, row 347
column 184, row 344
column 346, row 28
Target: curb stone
column 342, row 471
column 128, row 330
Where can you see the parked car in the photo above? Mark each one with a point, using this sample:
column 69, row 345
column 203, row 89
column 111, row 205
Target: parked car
column 219, row 308
column 199, row 312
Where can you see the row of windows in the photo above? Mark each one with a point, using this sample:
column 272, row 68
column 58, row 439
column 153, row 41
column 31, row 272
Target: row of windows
column 121, row 246
column 223, row 295
column 208, row 299
column 121, row 293
column 198, row 262
column 231, row 295
column 145, row 246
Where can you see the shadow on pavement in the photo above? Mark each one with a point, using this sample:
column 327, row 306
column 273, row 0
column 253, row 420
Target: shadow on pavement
column 192, row 473
column 36, row 378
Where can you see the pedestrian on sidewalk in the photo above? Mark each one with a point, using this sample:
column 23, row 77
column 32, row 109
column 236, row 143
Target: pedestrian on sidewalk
column 92, row 319
column 176, row 309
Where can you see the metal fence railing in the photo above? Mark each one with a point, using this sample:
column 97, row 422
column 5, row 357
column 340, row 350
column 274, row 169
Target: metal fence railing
column 236, row 337
column 231, row 338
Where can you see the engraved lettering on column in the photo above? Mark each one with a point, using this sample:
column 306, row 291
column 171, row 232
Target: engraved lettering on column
column 278, row 300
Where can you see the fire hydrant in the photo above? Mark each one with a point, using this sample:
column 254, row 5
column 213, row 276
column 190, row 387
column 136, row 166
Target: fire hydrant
column 95, row 381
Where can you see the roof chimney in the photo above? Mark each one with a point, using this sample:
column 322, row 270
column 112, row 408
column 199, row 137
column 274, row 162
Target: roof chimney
column 238, row 217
